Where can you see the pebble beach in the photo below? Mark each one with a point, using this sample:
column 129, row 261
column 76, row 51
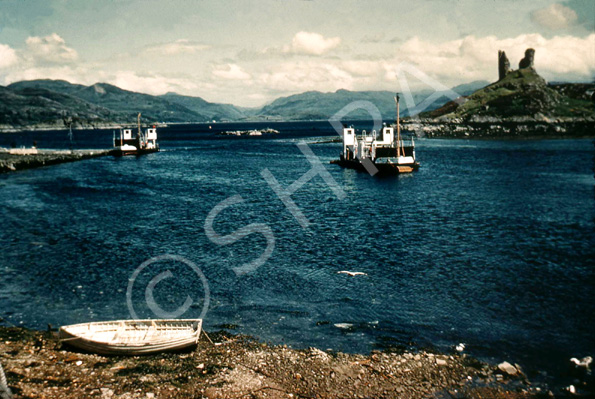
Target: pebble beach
column 37, row 365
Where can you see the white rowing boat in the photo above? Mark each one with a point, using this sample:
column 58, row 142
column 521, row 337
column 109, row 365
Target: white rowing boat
column 132, row 337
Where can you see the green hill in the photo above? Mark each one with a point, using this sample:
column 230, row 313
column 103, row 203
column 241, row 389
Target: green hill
column 32, row 106
column 207, row 111
column 520, row 94
column 58, row 86
column 314, row 105
column 123, row 105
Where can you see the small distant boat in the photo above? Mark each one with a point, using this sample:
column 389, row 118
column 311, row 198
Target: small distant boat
column 144, row 142
column 380, row 153
column 132, row 337
column 254, row 132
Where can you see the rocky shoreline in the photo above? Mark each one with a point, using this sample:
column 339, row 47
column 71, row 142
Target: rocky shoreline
column 229, row 366
column 478, row 127
column 13, row 162
column 493, row 128
column 41, row 127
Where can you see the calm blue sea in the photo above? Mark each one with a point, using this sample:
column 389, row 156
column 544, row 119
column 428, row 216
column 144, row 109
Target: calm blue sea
column 490, row 243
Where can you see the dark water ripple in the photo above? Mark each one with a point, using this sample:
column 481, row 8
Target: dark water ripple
column 491, row 243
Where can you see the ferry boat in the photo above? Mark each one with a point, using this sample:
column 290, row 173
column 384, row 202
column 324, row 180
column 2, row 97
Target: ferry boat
column 378, row 153
column 143, row 142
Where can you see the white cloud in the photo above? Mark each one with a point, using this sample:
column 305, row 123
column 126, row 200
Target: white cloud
column 567, row 56
column 152, row 84
column 231, row 72
column 373, row 38
column 294, row 77
column 73, row 74
column 181, row 46
column 8, row 56
column 155, row 84
column 50, row 49
column 554, row 17
column 272, row 74
column 464, row 60
column 362, row 68
column 453, row 62
column 311, row 43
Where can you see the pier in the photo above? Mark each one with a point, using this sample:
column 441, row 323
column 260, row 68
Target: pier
column 28, row 158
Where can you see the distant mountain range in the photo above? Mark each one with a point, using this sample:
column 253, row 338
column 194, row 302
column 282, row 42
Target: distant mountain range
column 205, row 110
column 316, row 105
column 50, row 102
column 56, row 103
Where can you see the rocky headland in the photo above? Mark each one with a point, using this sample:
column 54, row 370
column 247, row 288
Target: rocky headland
column 521, row 104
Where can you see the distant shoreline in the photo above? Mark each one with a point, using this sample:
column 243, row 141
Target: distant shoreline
column 503, row 129
column 515, row 129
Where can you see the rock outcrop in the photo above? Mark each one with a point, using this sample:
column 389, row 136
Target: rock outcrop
column 519, row 104
column 503, row 65
column 520, row 93
column 527, row 61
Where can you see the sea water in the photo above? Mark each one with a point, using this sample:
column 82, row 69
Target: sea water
column 490, row 243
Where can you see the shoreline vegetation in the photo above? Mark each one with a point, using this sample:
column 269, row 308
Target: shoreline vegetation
column 233, row 366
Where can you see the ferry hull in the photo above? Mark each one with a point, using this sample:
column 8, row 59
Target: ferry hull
column 383, row 169
column 119, row 152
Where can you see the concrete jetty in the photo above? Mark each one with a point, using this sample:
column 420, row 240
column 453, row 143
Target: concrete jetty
column 27, row 158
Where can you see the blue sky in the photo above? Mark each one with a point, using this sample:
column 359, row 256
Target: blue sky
column 250, row 52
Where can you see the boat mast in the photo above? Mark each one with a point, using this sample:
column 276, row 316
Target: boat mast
column 140, row 133
column 70, row 135
column 398, row 127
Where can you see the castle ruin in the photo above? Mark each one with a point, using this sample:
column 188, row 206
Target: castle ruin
column 504, row 63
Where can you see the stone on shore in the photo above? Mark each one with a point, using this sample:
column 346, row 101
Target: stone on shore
column 508, row 368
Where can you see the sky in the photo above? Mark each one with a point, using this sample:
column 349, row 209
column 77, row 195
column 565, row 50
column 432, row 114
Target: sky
column 249, row 52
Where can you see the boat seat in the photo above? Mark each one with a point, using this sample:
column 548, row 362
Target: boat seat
column 119, row 331
column 151, row 330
